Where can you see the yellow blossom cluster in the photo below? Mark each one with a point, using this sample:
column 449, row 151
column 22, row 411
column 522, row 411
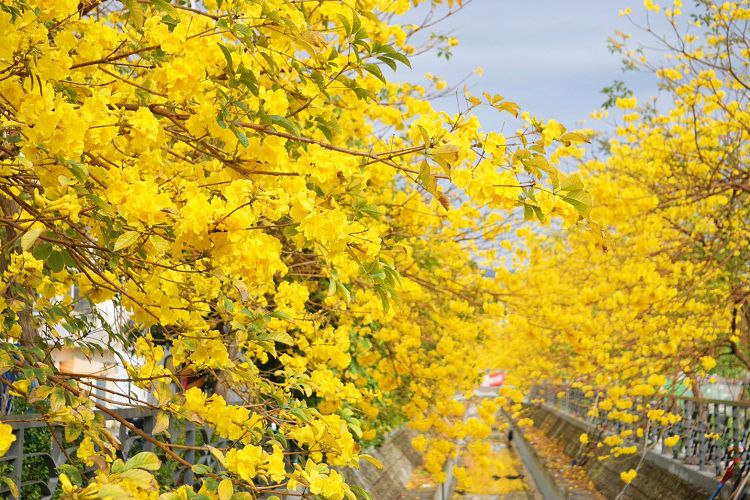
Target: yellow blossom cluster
column 300, row 250
column 653, row 296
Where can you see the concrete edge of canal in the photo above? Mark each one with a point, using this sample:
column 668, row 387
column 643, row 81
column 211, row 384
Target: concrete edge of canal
column 544, row 482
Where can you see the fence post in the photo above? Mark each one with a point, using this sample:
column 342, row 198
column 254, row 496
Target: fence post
column 16, row 450
column 148, row 428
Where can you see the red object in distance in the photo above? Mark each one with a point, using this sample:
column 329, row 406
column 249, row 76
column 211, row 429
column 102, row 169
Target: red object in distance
column 495, row 379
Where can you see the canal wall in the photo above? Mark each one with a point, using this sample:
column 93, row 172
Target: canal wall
column 659, row 476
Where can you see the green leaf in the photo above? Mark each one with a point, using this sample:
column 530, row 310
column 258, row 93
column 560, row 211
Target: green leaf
column 42, row 251
column 383, row 297
column 386, row 59
column 345, row 23
column 135, row 13
column 72, row 432
column 78, row 169
column 401, row 58
column 571, row 183
column 72, row 472
column 202, row 469
column 370, row 210
column 39, row 393
column 326, row 132
column 360, row 493
column 269, row 60
column 581, row 201
column 165, row 6
column 528, row 212
column 356, row 24
column 362, row 93
column 427, row 179
column 373, row 270
column 228, row 57
column 281, row 337
column 144, row 460
column 356, row 429
column 282, row 440
column 218, row 455
column 67, row 259
column 241, row 136
column 331, row 287
column 374, row 70
column 137, row 475
column 446, row 154
column 571, row 137
column 245, row 30
column 30, row 236
column 344, row 291
column 392, row 277
column 11, row 486
column 221, row 118
column 56, row 262
column 281, row 315
column 425, row 136
column 117, row 466
column 228, row 305
column 285, row 123
column 248, row 79
column 126, row 239
column 113, row 492
column 161, row 424
column 538, row 213
column 300, row 414
column 374, row 461
column 360, row 41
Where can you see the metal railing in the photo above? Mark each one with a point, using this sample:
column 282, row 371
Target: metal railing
column 39, row 470
column 712, row 432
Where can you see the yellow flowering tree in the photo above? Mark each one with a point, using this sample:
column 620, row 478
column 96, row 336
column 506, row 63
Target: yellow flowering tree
column 267, row 210
column 657, row 292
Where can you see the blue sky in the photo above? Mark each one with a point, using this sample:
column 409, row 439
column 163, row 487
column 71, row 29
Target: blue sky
column 549, row 56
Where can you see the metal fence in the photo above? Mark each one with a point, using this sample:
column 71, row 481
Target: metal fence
column 712, row 432
column 38, row 469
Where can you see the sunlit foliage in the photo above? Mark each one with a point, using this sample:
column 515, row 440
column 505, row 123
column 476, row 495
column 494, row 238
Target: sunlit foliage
column 265, row 205
column 651, row 303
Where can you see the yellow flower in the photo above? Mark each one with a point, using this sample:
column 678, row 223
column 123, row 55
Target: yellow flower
column 708, row 362
column 583, row 438
column 195, row 400
column 628, row 476
column 626, row 102
column 650, row 5
column 671, row 441
column 245, row 462
column 6, row 438
column 613, row 440
column 643, row 390
column 657, row 380
column 275, row 465
column 419, row 443
column 86, row 451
